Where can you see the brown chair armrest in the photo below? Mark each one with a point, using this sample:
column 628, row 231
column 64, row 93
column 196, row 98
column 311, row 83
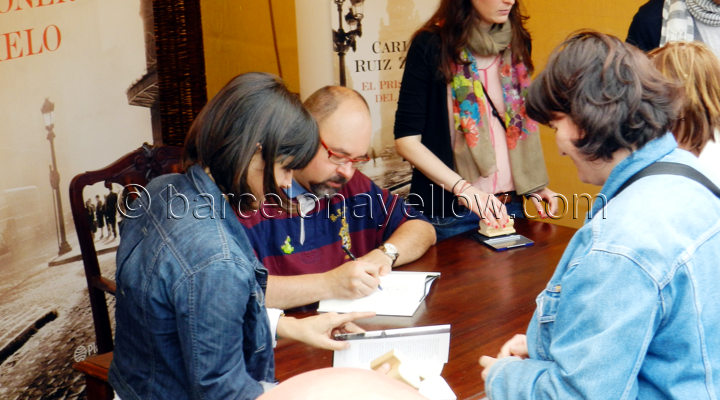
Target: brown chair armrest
column 96, row 366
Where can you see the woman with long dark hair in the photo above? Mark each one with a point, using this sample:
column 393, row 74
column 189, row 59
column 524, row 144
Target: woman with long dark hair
column 461, row 118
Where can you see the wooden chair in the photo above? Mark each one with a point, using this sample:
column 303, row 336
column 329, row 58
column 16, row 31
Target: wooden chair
column 137, row 167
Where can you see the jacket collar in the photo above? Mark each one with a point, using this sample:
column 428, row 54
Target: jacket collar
column 223, row 212
column 637, row 160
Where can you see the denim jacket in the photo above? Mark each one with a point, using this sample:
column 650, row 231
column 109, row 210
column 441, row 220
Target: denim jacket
column 632, row 310
column 190, row 315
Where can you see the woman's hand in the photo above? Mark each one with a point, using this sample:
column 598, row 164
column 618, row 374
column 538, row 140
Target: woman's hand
column 550, row 197
column 318, row 330
column 486, row 206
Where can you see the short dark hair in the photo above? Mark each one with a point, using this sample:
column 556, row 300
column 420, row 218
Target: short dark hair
column 253, row 108
column 324, row 101
column 609, row 89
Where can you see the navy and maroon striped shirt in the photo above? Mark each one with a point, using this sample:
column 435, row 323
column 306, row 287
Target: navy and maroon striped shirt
column 361, row 215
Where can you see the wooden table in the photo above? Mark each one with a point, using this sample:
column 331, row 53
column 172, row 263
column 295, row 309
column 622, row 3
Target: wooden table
column 486, row 296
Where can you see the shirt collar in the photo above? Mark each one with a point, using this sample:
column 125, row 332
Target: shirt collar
column 296, row 190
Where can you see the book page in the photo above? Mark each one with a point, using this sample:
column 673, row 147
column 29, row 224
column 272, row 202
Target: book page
column 401, row 294
column 426, row 353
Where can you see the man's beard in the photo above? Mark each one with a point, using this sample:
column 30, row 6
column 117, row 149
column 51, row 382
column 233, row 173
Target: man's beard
column 323, row 189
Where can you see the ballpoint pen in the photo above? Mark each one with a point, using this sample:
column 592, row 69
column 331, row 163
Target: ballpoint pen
column 352, row 256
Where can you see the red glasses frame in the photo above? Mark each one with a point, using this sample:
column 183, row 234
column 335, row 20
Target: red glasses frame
column 341, row 159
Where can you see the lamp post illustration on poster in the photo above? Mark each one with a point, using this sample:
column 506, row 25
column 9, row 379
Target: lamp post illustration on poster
column 344, row 40
column 48, row 110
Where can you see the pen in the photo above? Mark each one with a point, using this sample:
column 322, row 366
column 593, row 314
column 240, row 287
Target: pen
column 352, row 256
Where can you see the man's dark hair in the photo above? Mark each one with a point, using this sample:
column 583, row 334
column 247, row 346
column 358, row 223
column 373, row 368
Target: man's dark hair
column 609, row 89
column 253, row 109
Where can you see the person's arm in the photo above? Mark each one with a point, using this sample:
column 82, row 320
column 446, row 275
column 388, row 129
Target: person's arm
column 609, row 339
column 397, row 223
column 210, row 306
column 417, row 154
column 400, row 225
column 318, row 330
column 351, row 280
column 412, row 239
column 549, row 197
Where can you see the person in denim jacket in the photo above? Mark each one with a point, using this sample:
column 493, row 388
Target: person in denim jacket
column 632, row 309
column 190, row 315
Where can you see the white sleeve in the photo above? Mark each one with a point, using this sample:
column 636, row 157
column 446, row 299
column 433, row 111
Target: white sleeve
column 274, row 315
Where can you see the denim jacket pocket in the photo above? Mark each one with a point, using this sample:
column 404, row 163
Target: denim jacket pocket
column 547, row 305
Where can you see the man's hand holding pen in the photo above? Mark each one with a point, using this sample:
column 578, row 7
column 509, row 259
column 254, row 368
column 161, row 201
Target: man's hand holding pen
column 352, row 280
column 375, row 257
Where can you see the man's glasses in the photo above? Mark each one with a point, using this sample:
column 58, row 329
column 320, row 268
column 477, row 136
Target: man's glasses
column 340, row 159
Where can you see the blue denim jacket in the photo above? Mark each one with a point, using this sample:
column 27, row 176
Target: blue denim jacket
column 632, row 310
column 190, row 315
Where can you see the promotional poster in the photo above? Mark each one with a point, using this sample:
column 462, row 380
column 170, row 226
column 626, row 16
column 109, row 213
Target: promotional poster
column 67, row 69
column 379, row 34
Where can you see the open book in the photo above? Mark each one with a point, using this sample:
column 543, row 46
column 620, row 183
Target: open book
column 401, row 294
column 423, row 352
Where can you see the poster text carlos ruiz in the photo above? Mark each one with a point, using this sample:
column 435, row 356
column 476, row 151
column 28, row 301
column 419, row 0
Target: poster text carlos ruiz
column 31, row 40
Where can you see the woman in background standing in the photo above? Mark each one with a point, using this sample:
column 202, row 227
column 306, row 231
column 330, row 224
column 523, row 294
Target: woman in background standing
column 461, row 118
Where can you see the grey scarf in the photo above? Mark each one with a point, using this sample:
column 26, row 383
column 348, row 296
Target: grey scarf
column 705, row 11
column 678, row 18
column 483, row 43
